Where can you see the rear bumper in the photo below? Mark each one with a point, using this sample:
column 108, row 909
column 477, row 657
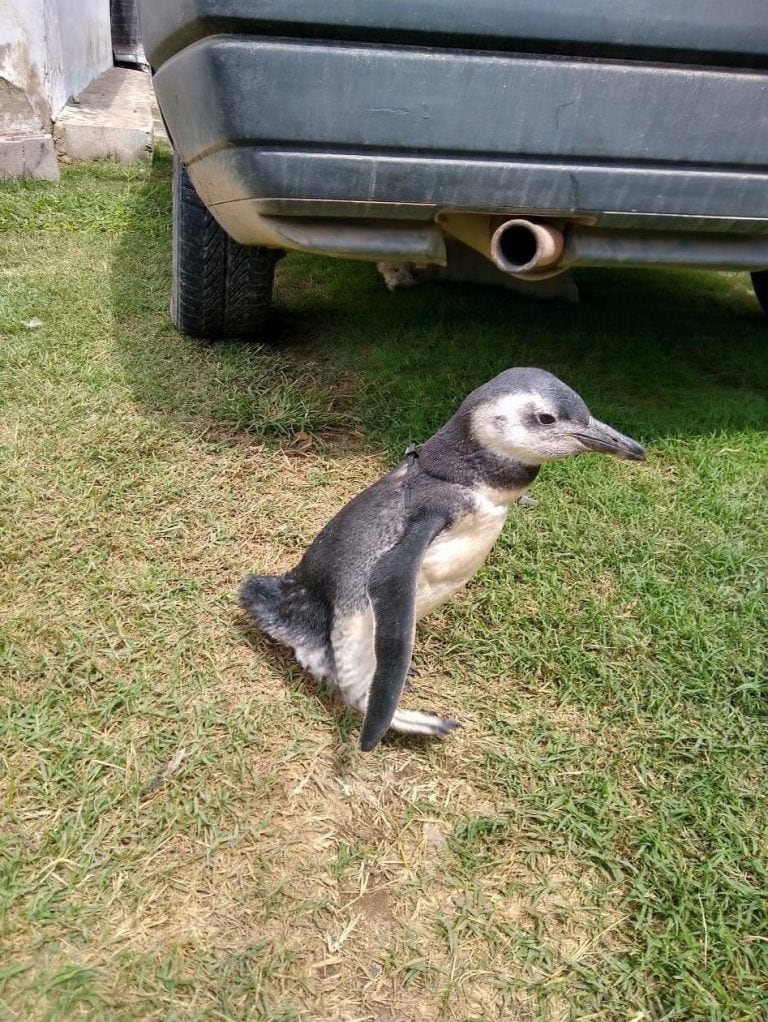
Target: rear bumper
column 355, row 140
column 261, row 122
column 246, row 183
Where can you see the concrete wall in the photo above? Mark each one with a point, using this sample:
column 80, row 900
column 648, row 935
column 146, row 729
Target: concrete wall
column 49, row 51
column 24, row 105
column 83, row 39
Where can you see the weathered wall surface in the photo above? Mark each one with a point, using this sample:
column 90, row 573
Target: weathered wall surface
column 49, row 51
column 82, row 40
column 24, row 104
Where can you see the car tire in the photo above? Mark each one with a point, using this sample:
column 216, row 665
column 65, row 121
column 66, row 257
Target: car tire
column 219, row 288
column 760, row 284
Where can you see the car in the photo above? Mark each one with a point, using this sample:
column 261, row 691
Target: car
column 543, row 135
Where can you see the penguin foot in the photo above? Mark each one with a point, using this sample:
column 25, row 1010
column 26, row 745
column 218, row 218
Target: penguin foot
column 416, row 722
column 413, row 672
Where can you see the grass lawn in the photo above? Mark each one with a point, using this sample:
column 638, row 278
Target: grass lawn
column 187, row 829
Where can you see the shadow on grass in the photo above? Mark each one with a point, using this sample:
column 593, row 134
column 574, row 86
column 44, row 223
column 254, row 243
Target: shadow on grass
column 231, row 391
column 657, row 353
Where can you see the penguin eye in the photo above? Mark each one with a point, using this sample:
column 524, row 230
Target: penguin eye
column 545, row 419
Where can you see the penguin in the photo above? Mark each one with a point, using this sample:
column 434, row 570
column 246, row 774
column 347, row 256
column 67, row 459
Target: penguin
column 408, row 542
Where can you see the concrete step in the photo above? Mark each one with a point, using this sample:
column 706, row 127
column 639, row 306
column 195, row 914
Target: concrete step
column 28, row 154
column 111, row 120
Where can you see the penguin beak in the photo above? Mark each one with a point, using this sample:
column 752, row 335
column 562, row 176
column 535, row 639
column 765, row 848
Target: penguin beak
column 597, row 436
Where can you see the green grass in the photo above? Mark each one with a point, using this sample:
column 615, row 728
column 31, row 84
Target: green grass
column 592, row 845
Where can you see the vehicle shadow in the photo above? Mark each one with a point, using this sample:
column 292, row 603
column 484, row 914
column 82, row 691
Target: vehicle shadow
column 233, row 392
column 659, row 353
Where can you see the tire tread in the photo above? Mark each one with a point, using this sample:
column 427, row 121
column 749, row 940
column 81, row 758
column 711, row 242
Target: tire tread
column 220, row 288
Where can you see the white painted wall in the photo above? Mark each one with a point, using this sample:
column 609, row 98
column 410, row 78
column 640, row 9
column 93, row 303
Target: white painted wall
column 80, row 47
column 49, row 51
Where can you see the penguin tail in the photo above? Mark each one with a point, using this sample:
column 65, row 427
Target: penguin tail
column 285, row 610
column 261, row 597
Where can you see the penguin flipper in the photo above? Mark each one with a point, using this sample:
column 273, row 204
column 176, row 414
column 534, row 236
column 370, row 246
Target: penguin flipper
column 392, row 593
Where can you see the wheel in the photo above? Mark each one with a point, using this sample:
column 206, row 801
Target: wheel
column 760, row 284
column 219, row 288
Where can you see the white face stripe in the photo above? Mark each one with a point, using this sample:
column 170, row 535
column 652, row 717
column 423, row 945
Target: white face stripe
column 497, row 426
column 500, row 426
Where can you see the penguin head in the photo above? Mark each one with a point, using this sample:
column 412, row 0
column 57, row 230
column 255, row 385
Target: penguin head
column 530, row 416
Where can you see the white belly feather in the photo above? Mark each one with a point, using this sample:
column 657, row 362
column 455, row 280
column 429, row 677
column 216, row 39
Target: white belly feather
column 457, row 553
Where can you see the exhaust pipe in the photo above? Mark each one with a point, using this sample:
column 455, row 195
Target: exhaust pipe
column 535, row 251
column 517, row 247
column 523, row 247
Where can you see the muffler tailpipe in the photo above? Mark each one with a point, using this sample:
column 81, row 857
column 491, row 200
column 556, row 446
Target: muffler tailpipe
column 524, row 247
column 534, row 251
